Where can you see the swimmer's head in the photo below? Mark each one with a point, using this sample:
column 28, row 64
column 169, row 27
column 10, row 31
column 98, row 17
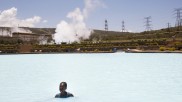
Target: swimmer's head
column 62, row 86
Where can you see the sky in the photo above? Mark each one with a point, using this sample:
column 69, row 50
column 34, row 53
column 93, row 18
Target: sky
column 49, row 13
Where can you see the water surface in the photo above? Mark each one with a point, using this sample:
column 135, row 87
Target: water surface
column 115, row 77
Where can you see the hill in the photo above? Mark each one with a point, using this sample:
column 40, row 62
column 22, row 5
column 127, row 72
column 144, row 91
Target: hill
column 167, row 39
column 166, row 33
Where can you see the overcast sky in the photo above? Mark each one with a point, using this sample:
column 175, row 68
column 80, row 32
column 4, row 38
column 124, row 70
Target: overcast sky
column 49, row 13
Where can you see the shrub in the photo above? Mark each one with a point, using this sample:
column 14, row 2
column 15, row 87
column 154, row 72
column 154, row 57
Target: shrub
column 171, row 49
column 162, row 48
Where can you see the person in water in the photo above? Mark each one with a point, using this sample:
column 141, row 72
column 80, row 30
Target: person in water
column 63, row 93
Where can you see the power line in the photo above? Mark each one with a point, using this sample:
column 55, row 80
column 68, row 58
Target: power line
column 148, row 23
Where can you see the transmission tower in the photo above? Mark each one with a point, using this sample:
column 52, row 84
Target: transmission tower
column 169, row 27
column 106, row 25
column 148, row 23
column 178, row 13
column 123, row 26
column 2, row 31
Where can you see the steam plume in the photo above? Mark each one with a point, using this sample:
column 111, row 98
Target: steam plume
column 8, row 19
column 76, row 28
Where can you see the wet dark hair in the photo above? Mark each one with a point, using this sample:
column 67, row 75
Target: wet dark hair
column 64, row 84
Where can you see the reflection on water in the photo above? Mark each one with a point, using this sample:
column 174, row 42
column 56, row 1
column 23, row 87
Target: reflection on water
column 117, row 77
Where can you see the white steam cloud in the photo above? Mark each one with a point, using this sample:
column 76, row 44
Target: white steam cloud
column 8, row 18
column 76, row 28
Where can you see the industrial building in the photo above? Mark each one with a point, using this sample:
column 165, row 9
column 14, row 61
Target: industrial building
column 32, row 38
column 39, row 36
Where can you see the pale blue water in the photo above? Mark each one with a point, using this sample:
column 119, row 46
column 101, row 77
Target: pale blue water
column 116, row 77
